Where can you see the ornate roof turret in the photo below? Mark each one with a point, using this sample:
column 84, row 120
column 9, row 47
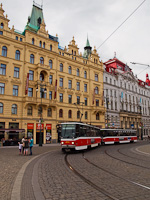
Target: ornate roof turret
column 87, row 49
column 36, row 18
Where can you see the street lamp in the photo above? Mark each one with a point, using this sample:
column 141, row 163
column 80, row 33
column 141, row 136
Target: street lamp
column 41, row 119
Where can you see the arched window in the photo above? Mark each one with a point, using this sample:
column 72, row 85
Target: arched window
column 78, row 72
column 2, row 26
column 17, row 55
column 69, row 114
column 97, row 116
column 49, row 112
column 44, row 45
column 32, row 40
column 41, row 60
column 14, row 109
column 1, row 107
column 32, row 59
column 40, row 110
column 51, row 47
column 61, row 67
column 29, row 112
column 50, row 64
column 40, row 44
column 96, row 90
column 60, row 113
column 4, row 51
column 69, row 70
column 41, row 76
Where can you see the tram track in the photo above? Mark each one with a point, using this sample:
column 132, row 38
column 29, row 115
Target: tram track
column 101, row 190
column 127, row 162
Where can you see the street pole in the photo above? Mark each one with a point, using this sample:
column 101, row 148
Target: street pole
column 40, row 138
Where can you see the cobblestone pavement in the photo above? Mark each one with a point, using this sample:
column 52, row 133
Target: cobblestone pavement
column 11, row 163
column 123, row 170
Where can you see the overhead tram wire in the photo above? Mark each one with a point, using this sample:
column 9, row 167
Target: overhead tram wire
column 121, row 24
column 140, row 64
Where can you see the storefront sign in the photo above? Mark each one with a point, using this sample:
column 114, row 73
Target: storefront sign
column 39, row 126
column 30, row 126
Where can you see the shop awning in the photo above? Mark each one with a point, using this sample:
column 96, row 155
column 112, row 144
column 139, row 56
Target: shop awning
column 12, row 130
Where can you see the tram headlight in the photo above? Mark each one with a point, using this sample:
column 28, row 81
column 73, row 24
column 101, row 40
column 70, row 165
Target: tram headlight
column 72, row 142
column 62, row 142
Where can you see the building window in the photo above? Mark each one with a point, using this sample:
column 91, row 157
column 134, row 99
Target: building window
column 17, row 55
column 69, row 98
column 97, row 102
column 78, row 72
column 51, row 79
column 31, row 75
column 61, row 82
column 15, row 90
column 78, row 114
column 97, row 116
column 2, row 88
column 29, row 111
column 1, row 108
column 85, row 87
column 43, row 93
column 40, row 44
column 33, row 41
column 78, row 86
column 2, row 26
column 16, row 37
column 32, row 59
column 69, row 70
column 3, row 69
column 30, row 92
column 50, row 47
column 40, row 110
column 41, row 76
column 69, row 114
column 4, row 51
column 1, row 32
column 61, row 67
column 50, row 64
column 60, row 113
column 42, row 60
column 96, row 77
column 85, row 101
column 60, row 97
column 85, row 74
column 96, row 90
column 50, row 95
column 49, row 112
column 86, row 115
column 78, row 100
column 44, row 45
column 69, row 84
column 16, row 72
column 14, row 109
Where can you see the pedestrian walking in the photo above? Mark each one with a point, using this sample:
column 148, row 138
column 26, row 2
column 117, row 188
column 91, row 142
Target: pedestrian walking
column 26, row 146
column 20, row 147
column 23, row 139
column 31, row 145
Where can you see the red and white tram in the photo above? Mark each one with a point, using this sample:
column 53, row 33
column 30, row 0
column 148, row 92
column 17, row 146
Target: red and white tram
column 79, row 136
column 114, row 136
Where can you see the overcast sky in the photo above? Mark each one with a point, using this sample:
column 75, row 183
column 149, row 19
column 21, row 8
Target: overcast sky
column 98, row 19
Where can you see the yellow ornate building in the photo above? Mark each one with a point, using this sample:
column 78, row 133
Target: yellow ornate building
column 43, row 84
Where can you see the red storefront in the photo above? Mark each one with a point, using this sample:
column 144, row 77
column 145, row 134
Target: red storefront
column 48, row 133
column 30, row 130
column 39, row 130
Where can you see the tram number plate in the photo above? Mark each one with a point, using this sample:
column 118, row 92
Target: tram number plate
column 67, row 142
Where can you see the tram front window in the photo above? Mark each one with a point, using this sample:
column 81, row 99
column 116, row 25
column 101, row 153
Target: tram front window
column 68, row 131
